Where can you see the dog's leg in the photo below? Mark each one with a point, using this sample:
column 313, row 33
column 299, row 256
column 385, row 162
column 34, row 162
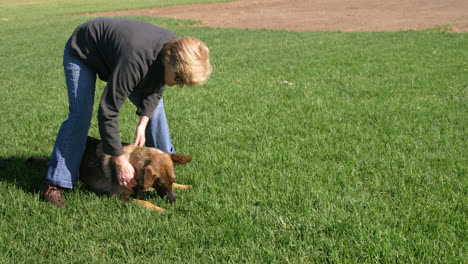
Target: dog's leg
column 149, row 205
column 180, row 186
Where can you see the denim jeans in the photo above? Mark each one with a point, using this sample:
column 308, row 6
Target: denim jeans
column 71, row 139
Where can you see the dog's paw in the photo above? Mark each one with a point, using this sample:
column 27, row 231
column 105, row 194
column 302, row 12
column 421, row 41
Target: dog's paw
column 149, row 205
column 182, row 187
column 156, row 208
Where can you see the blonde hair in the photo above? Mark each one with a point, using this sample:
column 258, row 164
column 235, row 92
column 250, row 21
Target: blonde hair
column 189, row 58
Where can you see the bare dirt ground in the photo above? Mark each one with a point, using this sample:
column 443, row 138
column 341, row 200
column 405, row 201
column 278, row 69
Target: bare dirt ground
column 323, row 15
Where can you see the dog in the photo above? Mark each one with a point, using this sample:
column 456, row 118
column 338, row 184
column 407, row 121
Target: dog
column 154, row 169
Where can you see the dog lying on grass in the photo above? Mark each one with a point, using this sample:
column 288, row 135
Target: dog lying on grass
column 153, row 169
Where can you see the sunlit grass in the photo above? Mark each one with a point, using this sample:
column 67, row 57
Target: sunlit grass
column 308, row 147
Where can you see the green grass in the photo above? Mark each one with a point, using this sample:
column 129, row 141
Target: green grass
column 362, row 159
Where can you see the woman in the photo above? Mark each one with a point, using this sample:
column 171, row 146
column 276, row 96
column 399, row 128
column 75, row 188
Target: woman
column 137, row 60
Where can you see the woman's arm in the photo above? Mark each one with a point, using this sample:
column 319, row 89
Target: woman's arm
column 140, row 131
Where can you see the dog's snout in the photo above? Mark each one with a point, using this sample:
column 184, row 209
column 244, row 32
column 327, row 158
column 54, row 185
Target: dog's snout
column 171, row 200
column 171, row 197
column 166, row 192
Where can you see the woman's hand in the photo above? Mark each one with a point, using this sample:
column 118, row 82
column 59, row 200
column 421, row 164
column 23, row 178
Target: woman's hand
column 140, row 138
column 125, row 172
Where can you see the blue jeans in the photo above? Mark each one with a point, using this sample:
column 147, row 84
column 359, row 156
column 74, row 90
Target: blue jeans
column 71, row 139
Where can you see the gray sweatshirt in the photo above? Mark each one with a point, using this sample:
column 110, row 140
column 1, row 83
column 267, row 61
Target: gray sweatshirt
column 125, row 54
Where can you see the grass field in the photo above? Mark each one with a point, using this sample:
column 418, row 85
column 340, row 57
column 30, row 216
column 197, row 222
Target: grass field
column 361, row 157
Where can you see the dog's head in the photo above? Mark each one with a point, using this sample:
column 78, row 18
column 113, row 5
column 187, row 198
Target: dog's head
column 160, row 175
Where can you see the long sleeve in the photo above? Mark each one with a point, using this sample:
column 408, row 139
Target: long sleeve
column 126, row 54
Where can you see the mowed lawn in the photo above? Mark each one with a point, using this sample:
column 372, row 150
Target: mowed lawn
column 312, row 147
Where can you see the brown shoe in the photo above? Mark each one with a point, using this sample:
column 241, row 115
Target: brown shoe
column 53, row 194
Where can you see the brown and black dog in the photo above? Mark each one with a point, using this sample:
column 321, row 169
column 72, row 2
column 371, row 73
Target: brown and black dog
column 153, row 169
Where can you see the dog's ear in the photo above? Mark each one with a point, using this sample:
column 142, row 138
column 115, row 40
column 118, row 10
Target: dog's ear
column 178, row 159
column 149, row 177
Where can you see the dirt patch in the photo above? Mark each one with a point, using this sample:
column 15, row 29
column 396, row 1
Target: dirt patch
column 323, row 15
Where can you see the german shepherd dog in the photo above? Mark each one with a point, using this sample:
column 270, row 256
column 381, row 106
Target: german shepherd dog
column 153, row 169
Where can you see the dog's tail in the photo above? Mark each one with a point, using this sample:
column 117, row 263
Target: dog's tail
column 39, row 161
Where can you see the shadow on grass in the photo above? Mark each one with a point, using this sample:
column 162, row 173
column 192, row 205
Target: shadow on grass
column 16, row 170
column 30, row 177
column 26, row 175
